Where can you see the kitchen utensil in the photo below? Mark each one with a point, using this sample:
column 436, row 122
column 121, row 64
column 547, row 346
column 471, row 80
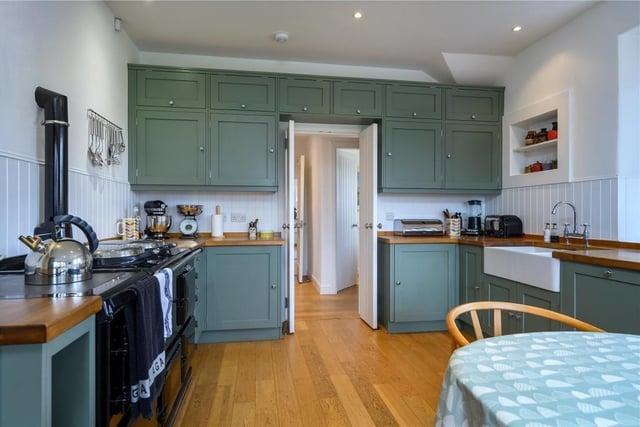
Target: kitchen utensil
column 189, row 225
column 158, row 223
column 60, row 260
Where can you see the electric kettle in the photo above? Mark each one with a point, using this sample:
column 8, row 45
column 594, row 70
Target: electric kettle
column 60, row 260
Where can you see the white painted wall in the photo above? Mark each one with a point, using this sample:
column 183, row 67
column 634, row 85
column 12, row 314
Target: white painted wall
column 582, row 56
column 70, row 48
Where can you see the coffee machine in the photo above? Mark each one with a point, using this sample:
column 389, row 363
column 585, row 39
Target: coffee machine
column 158, row 222
column 475, row 217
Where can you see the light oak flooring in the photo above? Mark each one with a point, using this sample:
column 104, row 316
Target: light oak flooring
column 334, row 371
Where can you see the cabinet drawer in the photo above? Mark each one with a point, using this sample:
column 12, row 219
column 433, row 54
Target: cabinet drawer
column 475, row 105
column 170, row 89
column 357, row 98
column 305, row 96
column 414, row 102
column 248, row 93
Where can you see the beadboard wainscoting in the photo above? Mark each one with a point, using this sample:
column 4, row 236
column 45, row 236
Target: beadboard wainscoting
column 99, row 200
column 596, row 203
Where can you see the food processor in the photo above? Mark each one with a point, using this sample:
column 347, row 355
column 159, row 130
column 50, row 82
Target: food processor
column 158, row 222
column 475, row 217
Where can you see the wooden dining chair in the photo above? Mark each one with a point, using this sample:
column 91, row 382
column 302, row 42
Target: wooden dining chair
column 496, row 307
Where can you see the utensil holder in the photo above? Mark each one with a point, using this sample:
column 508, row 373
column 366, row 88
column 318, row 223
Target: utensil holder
column 453, row 227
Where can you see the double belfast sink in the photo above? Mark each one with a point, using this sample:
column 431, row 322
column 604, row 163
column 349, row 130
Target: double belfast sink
column 531, row 265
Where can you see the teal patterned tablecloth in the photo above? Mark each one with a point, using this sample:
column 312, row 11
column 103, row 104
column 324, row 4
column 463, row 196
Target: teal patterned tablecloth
column 558, row 379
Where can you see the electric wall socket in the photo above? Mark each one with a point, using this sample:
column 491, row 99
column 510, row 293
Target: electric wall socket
column 238, row 217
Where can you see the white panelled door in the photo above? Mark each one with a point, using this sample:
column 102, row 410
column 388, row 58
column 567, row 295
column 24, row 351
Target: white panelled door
column 368, row 232
column 289, row 227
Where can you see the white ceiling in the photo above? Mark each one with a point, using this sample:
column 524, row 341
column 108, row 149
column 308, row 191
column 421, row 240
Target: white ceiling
column 466, row 42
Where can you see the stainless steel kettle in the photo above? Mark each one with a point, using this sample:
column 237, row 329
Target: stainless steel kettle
column 61, row 260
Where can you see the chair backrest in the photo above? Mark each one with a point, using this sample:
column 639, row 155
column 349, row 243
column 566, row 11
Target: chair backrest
column 496, row 307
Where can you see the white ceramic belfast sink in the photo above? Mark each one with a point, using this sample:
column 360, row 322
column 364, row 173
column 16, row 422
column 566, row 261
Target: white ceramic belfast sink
column 530, row 265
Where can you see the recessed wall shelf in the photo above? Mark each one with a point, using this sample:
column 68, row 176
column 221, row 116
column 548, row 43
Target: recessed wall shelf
column 538, row 146
column 516, row 155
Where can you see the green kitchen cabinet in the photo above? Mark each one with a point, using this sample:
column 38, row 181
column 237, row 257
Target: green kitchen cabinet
column 243, row 93
column 606, row 297
column 50, row 384
column 170, row 148
column 472, row 157
column 471, row 285
column 473, row 104
column 413, row 101
column 176, row 89
column 309, row 96
column 243, row 151
column 499, row 289
column 243, row 293
column 411, row 156
column 357, row 98
column 416, row 286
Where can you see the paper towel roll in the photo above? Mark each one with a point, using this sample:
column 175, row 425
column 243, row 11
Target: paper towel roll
column 216, row 225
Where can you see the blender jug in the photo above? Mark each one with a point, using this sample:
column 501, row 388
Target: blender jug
column 475, row 216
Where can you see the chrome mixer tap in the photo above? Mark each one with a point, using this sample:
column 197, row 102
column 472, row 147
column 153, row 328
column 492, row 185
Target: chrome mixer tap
column 574, row 233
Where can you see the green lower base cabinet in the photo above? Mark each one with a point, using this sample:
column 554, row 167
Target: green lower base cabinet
column 608, row 298
column 50, row 384
column 499, row 289
column 243, row 294
column 471, row 273
column 417, row 286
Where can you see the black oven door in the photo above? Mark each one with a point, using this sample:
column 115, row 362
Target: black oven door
column 184, row 294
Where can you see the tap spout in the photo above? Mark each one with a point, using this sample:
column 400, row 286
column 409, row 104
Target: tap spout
column 554, row 211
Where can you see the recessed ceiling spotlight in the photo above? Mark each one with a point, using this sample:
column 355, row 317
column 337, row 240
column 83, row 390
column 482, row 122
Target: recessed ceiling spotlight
column 281, row 36
column 516, row 28
column 357, row 15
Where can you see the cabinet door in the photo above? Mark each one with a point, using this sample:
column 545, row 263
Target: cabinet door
column 608, row 298
column 170, row 148
column 424, row 282
column 243, row 150
column 420, row 102
column 471, row 266
column 499, row 289
column 472, row 157
column 357, row 99
column 304, row 96
column 248, row 93
column 242, row 287
column 411, row 155
column 473, row 104
column 170, row 89
column 537, row 297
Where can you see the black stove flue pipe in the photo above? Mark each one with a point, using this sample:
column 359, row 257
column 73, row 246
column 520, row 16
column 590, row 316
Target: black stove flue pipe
column 56, row 182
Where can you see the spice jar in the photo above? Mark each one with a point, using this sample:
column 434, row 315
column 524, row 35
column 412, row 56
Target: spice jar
column 542, row 135
column 536, row 167
column 530, row 138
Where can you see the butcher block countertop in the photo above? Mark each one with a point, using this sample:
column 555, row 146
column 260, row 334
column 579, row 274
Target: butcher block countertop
column 40, row 320
column 603, row 253
column 229, row 239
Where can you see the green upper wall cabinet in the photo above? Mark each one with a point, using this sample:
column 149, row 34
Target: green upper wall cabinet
column 473, row 104
column 411, row 155
column 357, row 98
column 472, row 157
column 419, row 102
column 304, row 96
column 177, row 89
column 170, row 148
column 243, row 150
column 244, row 93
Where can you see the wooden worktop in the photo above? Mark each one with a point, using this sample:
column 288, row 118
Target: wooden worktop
column 40, row 320
column 603, row 253
column 229, row 239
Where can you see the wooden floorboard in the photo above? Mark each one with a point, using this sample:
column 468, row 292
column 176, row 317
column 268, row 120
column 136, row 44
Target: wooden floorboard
column 334, row 371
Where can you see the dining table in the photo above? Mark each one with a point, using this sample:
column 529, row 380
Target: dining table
column 539, row 379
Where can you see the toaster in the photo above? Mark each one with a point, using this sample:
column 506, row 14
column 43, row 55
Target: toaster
column 418, row 227
column 503, row 226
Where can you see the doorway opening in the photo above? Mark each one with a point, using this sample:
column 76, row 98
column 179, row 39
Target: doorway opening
column 326, row 242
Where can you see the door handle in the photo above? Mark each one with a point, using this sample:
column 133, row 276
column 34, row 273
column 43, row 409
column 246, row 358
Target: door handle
column 354, row 225
column 379, row 226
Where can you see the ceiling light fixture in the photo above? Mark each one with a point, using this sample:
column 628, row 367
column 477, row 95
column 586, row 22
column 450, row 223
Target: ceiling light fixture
column 516, row 28
column 357, row 15
column 281, row 36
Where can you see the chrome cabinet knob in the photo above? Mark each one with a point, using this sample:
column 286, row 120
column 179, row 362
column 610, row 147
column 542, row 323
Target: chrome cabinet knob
column 398, row 283
column 171, row 102
column 358, row 111
column 414, row 114
column 271, row 150
column 273, row 286
column 607, row 274
column 305, row 109
column 389, row 154
column 449, row 156
column 473, row 117
column 201, row 148
column 243, row 106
